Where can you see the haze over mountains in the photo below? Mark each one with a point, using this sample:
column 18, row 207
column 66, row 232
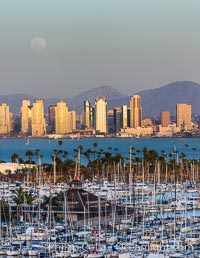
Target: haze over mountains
column 154, row 101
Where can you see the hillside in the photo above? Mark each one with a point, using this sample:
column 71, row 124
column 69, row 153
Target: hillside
column 154, row 101
column 112, row 95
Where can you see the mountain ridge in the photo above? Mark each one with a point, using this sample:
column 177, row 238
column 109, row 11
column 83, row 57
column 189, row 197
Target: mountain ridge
column 154, row 101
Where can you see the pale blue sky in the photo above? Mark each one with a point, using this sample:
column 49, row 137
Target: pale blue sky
column 130, row 45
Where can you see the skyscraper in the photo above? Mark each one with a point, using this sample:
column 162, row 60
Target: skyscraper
column 135, row 112
column 92, row 111
column 61, row 113
column 5, row 119
column 26, row 117
column 183, row 116
column 124, row 115
column 117, row 119
column 71, row 121
column 165, row 118
column 110, row 121
column 87, row 114
column 38, row 119
column 52, row 111
column 101, row 114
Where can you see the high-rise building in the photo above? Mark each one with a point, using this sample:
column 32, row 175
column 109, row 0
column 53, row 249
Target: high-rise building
column 92, row 119
column 101, row 114
column 124, row 115
column 61, row 113
column 110, row 121
column 79, row 121
column 71, row 121
column 87, row 114
column 183, row 116
column 135, row 112
column 117, row 119
column 38, row 119
column 128, row 117
column 165, row 118
column 5, row 119
column 52, row 111
column 26, row 117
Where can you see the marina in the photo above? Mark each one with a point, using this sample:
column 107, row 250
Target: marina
column 100, row 129
column 139, row 224
column 142, row 206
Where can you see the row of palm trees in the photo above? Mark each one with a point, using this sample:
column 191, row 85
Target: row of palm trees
column 23, row 200
column 145, row 164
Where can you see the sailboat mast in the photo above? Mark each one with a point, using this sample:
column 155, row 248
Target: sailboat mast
column 130, row 175
column 54, row 169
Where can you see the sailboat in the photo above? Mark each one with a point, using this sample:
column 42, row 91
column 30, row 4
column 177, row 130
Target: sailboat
column 28, row 141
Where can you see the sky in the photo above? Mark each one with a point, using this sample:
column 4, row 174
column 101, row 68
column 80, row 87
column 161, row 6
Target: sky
column 131, row 45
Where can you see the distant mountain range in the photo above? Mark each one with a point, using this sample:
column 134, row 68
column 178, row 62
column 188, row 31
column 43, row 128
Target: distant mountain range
column 154, row 101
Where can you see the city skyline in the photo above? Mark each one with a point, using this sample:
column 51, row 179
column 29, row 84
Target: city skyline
column 166, row 98
column 61, row 48
column 121, row 120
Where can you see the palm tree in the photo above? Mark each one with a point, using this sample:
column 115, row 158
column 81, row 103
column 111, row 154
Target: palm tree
column 29, row 154
column 60, row 142
column 14, row 158
column 186, row 147
column 37, row 152
column 29, row 198
column 145, row 153
column 87, row 154
column 51, row 203
column 194, row 149
column 4, row 208
column 18, row 199
column 23, row 197
column 54, row 157
column 152, row 159
column 95, row 146
column 65, row 155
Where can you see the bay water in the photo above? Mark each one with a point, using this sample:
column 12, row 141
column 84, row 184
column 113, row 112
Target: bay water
column 189, row 146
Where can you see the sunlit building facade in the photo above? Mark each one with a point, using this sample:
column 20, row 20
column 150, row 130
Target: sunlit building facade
column 165, row 118
column 61, row 113
column 101, row 114
column 124, row 115
column 71, row 121
column 135, row 112
column 5, row 119
column 38, row 120
column 26, row 117
column 183, row 116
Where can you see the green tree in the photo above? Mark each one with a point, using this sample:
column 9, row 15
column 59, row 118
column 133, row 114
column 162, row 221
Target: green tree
column 14, row 158
column 22, row 197
column 60, row 142
column 18, row 199
column 29, row 154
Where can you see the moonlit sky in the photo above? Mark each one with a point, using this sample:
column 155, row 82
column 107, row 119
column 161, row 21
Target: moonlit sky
column 131, row 45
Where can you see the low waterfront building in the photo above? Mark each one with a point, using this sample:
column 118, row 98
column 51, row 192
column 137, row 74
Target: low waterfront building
column 139, row 131
column 168, row 131
column 7, row 168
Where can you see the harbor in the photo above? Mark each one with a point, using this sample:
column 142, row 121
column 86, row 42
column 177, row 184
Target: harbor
column 142, row 204
column 100, row 219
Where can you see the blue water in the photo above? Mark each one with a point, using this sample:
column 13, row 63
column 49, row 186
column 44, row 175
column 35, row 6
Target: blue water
column 47, row 147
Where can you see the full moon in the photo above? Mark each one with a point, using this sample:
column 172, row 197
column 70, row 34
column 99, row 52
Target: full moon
column 38, row 44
